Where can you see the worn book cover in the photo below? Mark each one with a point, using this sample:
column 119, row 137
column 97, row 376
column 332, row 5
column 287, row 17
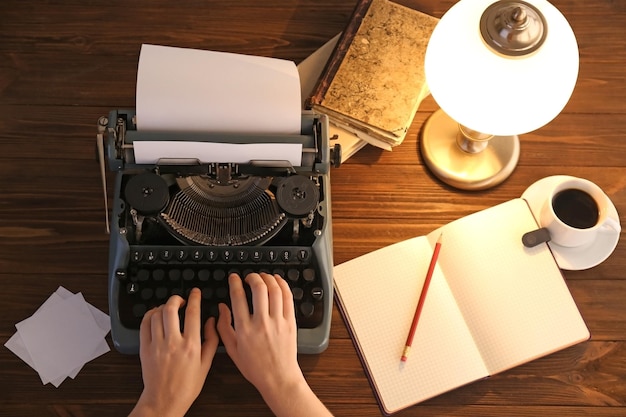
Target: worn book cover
column 310, row 70
column 374, row 81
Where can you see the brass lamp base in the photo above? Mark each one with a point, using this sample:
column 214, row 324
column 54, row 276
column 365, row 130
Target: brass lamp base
column 462, row 169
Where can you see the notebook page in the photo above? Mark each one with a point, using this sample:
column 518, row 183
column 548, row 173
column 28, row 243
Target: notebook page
column 514, row 298
column 378, row 293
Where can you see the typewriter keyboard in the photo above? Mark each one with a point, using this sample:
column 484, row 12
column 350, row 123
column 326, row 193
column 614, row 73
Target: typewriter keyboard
column 155, row 273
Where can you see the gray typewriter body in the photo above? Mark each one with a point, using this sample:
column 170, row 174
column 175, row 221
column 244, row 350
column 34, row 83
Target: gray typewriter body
column 178, row 219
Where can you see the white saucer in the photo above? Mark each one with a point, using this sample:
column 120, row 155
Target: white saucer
column 581, row 257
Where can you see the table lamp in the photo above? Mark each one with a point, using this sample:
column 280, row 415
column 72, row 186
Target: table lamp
column 497, row 70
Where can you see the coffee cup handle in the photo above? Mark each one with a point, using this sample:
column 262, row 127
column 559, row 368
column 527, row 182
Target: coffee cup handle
column 611, row 225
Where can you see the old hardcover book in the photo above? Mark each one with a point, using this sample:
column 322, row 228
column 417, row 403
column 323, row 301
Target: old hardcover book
column 374, row 81
column 310, row 70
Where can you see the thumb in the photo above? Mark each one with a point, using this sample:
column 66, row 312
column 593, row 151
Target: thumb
column 226, row 330
column 209, row 346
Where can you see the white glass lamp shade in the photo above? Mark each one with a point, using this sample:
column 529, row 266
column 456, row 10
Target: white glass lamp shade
column 493, row 93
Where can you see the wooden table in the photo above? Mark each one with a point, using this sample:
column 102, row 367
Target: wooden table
column 65, row 63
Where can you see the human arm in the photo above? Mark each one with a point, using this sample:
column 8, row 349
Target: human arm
column 263, row 345
column 174, row 364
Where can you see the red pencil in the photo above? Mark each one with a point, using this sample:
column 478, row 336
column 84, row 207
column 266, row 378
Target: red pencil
column 420, row 303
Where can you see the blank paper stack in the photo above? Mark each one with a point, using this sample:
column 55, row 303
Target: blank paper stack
column 64, row 334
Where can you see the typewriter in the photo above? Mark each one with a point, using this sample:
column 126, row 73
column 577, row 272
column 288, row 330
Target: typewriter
column 177, row 224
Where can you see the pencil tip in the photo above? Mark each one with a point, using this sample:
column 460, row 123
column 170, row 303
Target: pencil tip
column 440, row 238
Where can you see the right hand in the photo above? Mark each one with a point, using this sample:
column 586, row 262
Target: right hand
column 263, row 345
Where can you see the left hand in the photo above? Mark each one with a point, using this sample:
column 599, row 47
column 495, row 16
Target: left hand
column 174, row 364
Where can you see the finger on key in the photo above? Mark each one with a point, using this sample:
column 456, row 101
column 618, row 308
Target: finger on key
column 238, row 301
column 192, row 315
column 260, row 302
column 171, row 320
column 274, row 294
column 289, row 311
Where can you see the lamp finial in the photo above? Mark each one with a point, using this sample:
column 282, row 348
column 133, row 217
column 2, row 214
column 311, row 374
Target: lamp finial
column 513, row 27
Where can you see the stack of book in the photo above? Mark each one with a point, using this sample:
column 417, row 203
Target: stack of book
column 373, row 81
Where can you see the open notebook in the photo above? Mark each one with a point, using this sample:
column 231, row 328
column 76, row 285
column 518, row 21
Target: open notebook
column 492, row 304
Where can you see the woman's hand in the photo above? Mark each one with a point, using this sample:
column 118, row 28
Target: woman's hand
column 174, row 364
column 264, row 346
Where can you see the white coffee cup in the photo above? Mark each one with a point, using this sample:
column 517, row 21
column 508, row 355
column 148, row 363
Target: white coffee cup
column 575, row 211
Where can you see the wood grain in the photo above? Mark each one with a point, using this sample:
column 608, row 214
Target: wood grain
column 64, row 64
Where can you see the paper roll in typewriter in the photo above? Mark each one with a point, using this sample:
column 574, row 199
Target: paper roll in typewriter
column 191, row 206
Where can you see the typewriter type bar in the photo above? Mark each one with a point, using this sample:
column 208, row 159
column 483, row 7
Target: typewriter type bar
column 177, row 224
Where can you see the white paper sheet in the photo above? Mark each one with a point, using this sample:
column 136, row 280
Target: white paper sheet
column 149, row 152
column 61, row 336
column 208, row 91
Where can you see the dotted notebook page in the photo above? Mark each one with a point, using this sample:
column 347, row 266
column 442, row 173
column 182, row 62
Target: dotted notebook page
column 378, row 293
column 514, row 298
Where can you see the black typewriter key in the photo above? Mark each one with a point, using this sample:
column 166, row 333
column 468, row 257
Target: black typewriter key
column 221, row 293
column 256, row 255
column 285, row 255
column 233, row 271
column 139, row 310
column 207, row 293
column 219, row 275
column 196, row 255
column 272, row 255
column 146, row 293
column 158, row 274
column 279, row 272
column 136, row 255
column 303, row 255
column 293, row 274
column 148, row 193
column 121, row 274
column 150, row 256
column 228, row 255
column 132, row 288
column 188, row 274
column 307, row 309
column 246, row 272
column 161, row 293
column 181, row 255
column 242, row 255
column 298, row 293
column 308, row 274
column 143, row 275
column 204, row 274
column 177, row 291
column 317, row 293
column 211, row 255
column 174, row 274
column 166, row 255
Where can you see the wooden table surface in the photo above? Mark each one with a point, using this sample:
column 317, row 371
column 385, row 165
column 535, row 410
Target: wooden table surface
column 65, row 63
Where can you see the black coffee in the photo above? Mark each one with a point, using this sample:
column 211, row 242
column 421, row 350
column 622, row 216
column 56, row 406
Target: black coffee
column 576, row 208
